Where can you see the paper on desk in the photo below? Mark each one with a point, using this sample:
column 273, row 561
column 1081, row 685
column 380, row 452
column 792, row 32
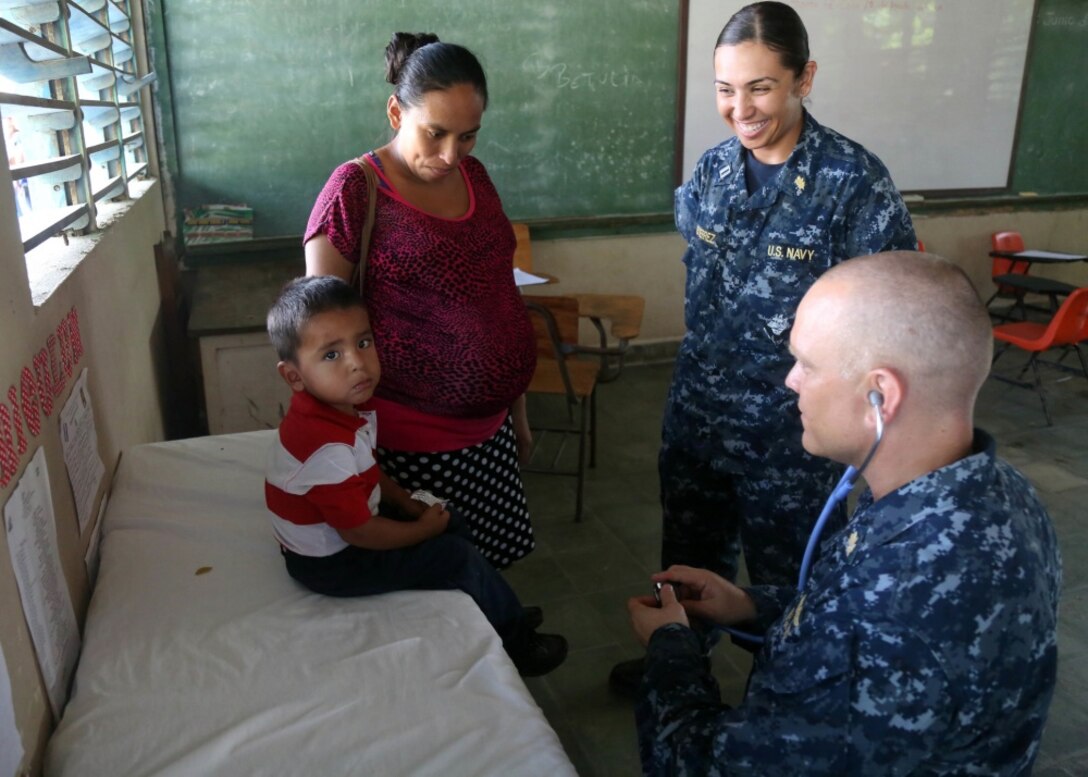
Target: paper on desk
column 80, row 442
column 32, row 543
column 522, row 278
column 11, row 744
column 1049, row 255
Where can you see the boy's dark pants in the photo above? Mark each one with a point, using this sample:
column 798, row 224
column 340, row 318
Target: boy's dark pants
column 448, row 561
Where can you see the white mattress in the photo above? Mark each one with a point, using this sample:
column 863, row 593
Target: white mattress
column 201, row 656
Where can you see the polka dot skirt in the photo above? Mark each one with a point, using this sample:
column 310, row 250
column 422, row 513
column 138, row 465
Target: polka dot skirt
column 483, row 483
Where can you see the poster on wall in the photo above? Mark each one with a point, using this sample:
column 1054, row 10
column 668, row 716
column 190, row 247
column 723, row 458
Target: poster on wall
column 80, row 443
column 47, row 605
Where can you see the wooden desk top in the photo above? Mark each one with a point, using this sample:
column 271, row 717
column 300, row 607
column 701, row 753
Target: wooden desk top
column 234, row 298
column 623, row 310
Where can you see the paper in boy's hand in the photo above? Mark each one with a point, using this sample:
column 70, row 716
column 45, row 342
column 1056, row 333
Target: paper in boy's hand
column 427, row 498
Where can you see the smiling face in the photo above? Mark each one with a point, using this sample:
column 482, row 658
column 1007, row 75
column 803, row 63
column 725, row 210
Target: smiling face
column 435, row 135
column 760, row 98
column 336, row 361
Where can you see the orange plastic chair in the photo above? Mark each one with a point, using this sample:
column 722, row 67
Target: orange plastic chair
column 1011, row 242
column 999, row 266
column 1010, row 277
column 921, row 246
column 1067, row 329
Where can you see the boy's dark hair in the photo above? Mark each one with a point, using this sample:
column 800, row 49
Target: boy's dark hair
column 298, row 302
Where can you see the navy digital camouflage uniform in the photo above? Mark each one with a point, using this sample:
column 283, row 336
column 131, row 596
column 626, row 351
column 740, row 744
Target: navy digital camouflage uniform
column 923, row 644
column 731, row 461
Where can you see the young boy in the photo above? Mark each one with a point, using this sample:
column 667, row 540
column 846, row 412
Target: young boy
column 324, row 486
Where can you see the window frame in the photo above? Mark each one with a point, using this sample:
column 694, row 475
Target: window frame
column 87, row 59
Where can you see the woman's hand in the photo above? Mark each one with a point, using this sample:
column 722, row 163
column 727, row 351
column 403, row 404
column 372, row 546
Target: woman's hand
column 519, row 415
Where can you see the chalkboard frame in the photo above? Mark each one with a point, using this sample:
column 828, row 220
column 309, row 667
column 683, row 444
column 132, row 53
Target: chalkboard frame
column 656, row 193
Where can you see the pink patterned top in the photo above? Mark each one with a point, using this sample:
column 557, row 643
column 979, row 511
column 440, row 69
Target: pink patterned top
column 450, row 326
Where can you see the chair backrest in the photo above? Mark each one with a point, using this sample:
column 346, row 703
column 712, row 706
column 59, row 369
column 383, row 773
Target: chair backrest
column 555, row 322
column 1012, row 242
column 523, row 253
column 1070, row 324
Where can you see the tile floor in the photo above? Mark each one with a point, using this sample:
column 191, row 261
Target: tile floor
column 583, row 573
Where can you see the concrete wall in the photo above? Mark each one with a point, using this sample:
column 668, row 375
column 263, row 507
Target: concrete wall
column 102, row 318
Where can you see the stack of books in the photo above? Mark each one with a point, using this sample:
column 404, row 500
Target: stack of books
column 217, row 224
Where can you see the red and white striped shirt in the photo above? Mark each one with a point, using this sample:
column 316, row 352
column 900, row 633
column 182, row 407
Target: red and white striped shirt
column 321, row 476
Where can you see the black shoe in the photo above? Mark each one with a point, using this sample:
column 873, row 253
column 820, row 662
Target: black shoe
column 532, row 617
column 537, row 654
column 626, row 677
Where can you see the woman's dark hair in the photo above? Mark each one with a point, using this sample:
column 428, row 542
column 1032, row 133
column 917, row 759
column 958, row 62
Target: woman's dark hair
column 776, row 26
column 417, row 63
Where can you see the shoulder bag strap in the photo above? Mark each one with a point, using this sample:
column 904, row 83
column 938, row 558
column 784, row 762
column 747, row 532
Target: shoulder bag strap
column 359, row 273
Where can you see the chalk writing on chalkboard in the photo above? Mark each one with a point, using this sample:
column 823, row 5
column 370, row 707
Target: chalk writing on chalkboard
column 565, row 76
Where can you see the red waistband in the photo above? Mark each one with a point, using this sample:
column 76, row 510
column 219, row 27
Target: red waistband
column 402, row 428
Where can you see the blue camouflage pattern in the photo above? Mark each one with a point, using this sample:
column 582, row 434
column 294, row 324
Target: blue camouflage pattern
column 731, row 463
column 923, row 644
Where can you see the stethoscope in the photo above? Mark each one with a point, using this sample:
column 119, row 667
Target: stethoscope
column 837, row 495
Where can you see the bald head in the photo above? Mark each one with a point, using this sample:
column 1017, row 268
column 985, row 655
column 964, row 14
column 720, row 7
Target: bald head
column 914, row 313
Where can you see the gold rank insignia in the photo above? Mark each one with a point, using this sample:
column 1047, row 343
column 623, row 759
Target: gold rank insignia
column 799, row 182
column 794, row 619
column 851, row 542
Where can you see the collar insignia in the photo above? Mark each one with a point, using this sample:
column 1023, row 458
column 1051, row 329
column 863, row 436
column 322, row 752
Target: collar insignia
column 724, row 172
column 851, row 542
column 799, row 182
column 794, row 618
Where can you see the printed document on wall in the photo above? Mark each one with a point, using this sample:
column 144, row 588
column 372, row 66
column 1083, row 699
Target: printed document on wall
column 11, row 744
column 81, row 457
column 47, row 606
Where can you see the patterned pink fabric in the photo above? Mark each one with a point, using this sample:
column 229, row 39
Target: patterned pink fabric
column 450, row 326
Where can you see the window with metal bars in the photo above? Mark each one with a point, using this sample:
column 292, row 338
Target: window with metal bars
column 70, row 102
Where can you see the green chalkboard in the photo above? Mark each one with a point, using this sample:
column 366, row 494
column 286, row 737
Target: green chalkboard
column 266, row 98
column 1052, row 145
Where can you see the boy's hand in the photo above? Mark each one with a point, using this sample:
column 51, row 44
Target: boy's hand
column 435, row 518
column 418, row 501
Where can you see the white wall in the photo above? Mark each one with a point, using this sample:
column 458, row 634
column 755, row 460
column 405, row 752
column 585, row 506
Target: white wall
column 115, row 295
column 649, row 265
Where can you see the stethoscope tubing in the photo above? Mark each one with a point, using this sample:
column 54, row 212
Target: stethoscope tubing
column 838, row 494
